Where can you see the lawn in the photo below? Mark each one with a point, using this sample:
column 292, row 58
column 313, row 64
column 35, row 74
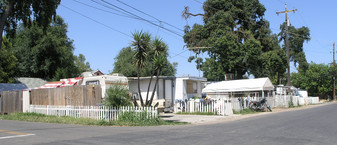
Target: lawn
column 124, row 120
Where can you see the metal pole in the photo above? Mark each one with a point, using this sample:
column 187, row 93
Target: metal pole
column 334, row 76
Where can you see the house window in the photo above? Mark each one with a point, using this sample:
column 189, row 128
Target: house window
column 191, row 87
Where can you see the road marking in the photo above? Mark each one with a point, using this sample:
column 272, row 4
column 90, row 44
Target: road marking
column 16, row 134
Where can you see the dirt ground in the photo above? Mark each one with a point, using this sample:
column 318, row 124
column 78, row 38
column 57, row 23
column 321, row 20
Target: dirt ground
column 210, row 119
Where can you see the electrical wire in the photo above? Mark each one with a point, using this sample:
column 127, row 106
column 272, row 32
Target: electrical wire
column 96, row 21
column 130, row 16
column 149, row 15
column 294, row 34
column 176, row 33
column 123, row 15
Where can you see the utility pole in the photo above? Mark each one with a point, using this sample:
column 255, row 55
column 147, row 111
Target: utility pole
column 334, row 75
column 287, row 41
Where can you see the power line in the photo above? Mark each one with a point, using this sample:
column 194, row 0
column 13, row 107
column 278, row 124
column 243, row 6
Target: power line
column 104, row 10
column 179, row 54
column 150, row 15
column 254, row 23
column 293, row 34
column 176, row 54
column 176, row 33
column 96, row 21
column 105, row 5
column 130, row 16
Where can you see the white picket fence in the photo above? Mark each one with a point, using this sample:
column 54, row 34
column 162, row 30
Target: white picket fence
column 219, row 107
column 93, row 112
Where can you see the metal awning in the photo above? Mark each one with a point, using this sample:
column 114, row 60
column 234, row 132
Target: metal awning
column 244, row 85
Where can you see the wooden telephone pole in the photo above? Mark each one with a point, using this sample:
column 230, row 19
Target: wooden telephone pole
column 334, row 75
column 287, row 41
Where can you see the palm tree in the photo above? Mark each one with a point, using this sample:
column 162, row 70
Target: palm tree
column 159, row 47
column 160, row 61
column 141, row 44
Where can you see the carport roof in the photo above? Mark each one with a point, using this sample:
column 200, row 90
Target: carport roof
column 244, row 85
column 12, row 87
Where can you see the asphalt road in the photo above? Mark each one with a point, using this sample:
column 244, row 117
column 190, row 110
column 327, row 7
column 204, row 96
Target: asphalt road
column 316, row 125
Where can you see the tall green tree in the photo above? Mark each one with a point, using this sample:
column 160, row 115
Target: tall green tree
column 159, row 60
column 141, row 44
column 7, row 62
column 317, row 79
column 297, row 37
column 14, row 11
column 159, row 63
column 234, row 34
column 46, row 54
column 81, row 64
column 155, row 62
column 123, row 63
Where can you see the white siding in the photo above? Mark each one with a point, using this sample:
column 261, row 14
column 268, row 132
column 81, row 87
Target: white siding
column 168, row 89
column 133, row 87
column 179, row 89
column 160, row 89
column 25, row 101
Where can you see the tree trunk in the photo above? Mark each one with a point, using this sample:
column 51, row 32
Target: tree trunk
column 4, row 19
column 140, row 94
column 148, row 89
column 154, row 89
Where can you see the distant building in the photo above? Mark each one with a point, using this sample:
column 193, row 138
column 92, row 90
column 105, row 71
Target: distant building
column 31, row 82
column 90, row 78
column 10, row 87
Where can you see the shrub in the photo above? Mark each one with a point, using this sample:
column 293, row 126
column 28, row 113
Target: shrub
column 117, row 96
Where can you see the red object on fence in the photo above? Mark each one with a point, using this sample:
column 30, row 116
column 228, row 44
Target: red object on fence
column 62, row 83
column 51, row 85
column 71, row 81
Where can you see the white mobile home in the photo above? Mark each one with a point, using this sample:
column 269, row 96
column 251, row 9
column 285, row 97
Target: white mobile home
column 169, row 88
column 188, row 87
column 106, row 81
column 259, row 87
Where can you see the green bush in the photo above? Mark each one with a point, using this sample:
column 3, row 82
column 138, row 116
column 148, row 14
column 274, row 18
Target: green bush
column 117, row 96
column 138, row 118
column 126, row 119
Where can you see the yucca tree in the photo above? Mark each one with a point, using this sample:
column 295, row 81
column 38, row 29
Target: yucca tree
column 141, row 44
column 159, row 62
column 159, row 47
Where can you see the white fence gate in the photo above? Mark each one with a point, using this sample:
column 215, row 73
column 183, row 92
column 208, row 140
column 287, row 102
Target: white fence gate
column 219, row 106
column 93, row 112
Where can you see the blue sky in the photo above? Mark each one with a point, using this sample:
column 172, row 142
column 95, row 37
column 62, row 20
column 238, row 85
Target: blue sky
column 100, row 35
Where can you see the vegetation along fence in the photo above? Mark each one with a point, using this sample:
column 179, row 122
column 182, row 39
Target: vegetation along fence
column 218, row 107
column 94, row 112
